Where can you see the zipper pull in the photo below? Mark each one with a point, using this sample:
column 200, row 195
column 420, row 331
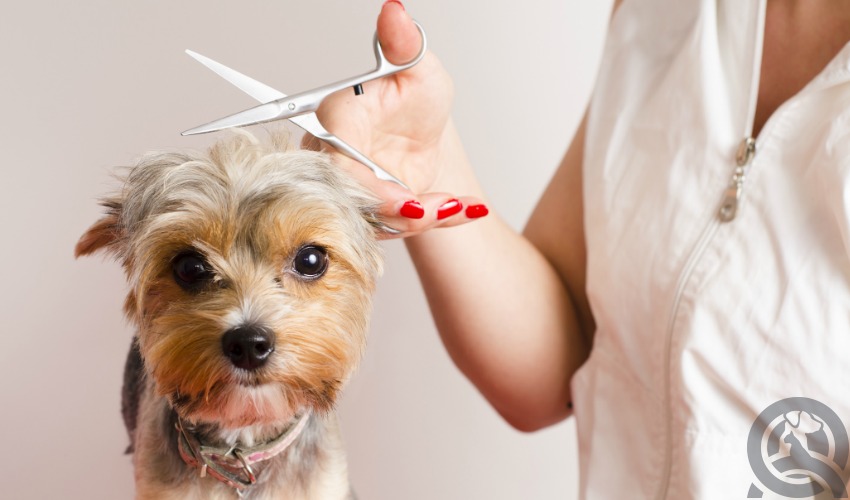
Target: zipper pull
column 732, row 195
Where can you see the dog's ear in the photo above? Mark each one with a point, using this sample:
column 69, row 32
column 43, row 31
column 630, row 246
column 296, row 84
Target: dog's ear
column 369, row 207
column 105, row 234
column 369, row 213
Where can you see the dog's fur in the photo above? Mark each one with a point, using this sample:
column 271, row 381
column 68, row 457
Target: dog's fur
column 246, row 209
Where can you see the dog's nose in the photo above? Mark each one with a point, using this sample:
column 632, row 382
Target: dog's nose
column 248, row 347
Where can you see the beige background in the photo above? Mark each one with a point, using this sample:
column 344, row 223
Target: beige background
column 90, row 85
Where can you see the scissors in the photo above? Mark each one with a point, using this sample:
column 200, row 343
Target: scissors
column 301, row 108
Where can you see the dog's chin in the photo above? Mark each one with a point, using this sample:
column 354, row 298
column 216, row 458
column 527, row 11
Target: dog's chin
column 242, row 404
column 249, row 381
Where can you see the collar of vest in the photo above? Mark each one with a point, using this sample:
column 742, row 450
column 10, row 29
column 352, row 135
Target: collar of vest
column 233, row 465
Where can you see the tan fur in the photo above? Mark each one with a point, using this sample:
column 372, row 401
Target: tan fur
column 247, row 208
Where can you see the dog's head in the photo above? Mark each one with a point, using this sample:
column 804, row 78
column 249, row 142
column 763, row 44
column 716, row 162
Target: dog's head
column 251, row 270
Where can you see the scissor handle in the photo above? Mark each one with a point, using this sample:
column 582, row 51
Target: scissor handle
column 385, row 67
column 309, row 101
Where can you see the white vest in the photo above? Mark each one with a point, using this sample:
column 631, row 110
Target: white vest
column 703, row 324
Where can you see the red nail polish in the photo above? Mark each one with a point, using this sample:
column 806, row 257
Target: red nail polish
column 476, row 211
column 412, row 210
column 448, row 209
column 395, row 1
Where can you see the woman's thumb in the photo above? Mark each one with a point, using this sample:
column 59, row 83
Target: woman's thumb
column 400, row 40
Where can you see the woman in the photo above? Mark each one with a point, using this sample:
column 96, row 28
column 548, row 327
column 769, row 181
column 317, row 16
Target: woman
column 686, row 268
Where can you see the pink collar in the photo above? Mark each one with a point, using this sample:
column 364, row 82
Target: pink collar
column 232, row 466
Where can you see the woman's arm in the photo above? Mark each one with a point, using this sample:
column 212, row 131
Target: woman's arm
column 511, row 308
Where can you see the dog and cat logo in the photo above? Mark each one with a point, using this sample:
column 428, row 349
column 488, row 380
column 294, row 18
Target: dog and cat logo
column 798, row 448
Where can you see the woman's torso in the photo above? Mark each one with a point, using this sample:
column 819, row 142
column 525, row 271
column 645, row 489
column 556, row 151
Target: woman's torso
column 703, row 324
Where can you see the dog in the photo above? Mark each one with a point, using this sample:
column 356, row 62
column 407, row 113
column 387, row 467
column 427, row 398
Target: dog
column 251, row 269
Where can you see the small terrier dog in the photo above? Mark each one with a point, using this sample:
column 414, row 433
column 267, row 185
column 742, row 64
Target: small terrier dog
column 251, row 270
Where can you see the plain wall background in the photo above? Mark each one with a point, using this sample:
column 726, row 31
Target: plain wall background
column 90, row 85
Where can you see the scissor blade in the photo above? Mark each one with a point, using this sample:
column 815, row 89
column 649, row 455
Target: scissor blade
column 309, row 122
column 265, row 112
column 259, row 114
column 258, row 90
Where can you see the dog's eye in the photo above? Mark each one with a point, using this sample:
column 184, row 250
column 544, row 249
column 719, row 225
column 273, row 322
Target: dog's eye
column 311, row 262
column 191, row 271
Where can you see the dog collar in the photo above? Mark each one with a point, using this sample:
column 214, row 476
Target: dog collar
column 232, row 466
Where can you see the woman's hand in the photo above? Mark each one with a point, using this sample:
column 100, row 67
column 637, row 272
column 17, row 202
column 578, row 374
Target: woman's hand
column 402, row 122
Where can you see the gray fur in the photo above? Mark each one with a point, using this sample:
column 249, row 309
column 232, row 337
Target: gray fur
column 131, row 392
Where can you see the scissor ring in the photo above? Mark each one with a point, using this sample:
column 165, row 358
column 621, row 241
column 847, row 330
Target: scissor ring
column 379, row 53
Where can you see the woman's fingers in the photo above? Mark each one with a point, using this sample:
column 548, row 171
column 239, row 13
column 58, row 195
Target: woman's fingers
column 430, row 211
column 405, row 213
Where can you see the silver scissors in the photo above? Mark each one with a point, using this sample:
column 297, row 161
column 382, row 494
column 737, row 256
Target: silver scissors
column 301, row 108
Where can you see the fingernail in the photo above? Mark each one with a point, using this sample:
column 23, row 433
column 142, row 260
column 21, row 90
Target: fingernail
column 412, row 210
column 395, row 1
column 448, row 209
column 476, row 211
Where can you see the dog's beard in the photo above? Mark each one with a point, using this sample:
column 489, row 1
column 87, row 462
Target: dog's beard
column 232, row 403
column 234, row 406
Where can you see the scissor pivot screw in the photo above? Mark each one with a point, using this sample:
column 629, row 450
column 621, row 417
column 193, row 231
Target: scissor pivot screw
column 291, row 106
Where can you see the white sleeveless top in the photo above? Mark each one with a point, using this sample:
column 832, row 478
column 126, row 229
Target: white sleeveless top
column 702, row 324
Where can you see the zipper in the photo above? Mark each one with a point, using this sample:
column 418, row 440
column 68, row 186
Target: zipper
column 744, row 157
column 696, row 254
column 726, row 213
column 732, row 195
